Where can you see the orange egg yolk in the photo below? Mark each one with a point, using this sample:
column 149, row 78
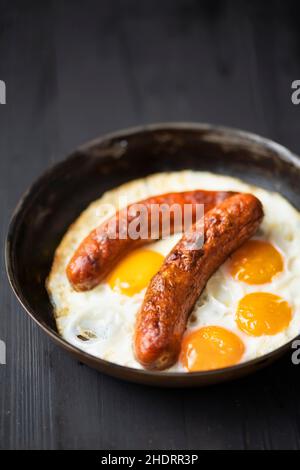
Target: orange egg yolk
column 211, row 347
column 135, row 271
column 262, row 313
column 255, row 262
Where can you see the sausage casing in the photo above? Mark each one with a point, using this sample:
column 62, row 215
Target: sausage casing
column 99, row 252
column 173, row 291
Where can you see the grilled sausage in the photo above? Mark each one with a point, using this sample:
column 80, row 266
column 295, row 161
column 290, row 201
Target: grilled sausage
column 100, row 251
column 173, row 291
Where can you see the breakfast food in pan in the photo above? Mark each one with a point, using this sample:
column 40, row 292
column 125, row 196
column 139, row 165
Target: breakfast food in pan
column 173, row 291
column 99, row 251
column 157, row 303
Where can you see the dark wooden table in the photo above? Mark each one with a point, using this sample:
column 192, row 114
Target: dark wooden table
column 74, row 70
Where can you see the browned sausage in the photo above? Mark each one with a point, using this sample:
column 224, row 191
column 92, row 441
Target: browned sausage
column 99, row 252
column 173, row 291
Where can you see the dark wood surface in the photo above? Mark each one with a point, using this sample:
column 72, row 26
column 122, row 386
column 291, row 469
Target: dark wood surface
column 74, row 70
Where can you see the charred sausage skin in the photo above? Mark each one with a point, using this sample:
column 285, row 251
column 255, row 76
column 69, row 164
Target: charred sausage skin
column 173, row 291
column 99, row 252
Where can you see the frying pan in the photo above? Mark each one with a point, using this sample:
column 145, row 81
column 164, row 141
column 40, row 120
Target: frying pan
column 56, row 199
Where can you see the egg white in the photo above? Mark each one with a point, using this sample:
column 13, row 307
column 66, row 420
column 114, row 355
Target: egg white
column 101, row 321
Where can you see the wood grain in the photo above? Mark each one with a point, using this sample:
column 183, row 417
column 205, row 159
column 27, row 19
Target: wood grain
column 77, row 69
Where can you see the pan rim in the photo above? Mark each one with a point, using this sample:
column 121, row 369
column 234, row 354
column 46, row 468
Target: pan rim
column 106, row 366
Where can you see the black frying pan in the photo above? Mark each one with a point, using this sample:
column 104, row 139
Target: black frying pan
column 58, row 197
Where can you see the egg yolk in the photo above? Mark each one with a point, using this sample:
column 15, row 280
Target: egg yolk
column 135, row 271
column 211, row 347
column 255, row 262
column 262, row 313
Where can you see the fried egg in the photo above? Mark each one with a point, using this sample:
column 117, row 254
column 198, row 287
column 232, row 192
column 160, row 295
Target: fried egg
column 250, row 306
